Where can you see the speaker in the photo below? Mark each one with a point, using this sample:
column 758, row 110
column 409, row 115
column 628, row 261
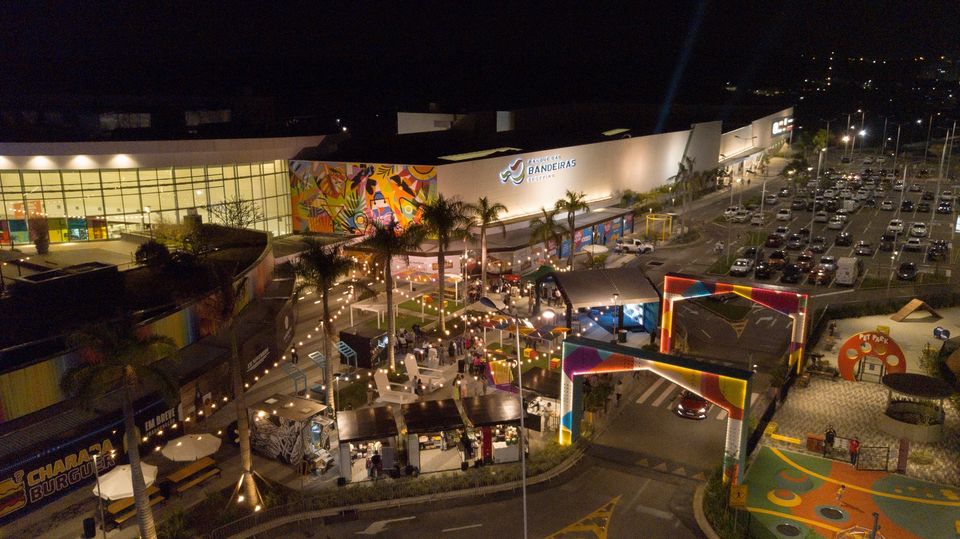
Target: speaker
column 89, row 528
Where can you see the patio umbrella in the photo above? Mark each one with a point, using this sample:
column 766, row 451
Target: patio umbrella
column 118, row 482
column 594, row 249
column 191, row 447
column 560, row 329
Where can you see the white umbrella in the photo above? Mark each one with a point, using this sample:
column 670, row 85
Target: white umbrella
column 594, row 249
column 191, row 447
column 118, row 482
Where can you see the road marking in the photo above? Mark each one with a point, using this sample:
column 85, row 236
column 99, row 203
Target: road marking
column 650, row 390
column 663, row 395
column 834, row 293
column 722, row 415
column 381, row 525
column 705, row 333
column 656, row 513
column 461, row 528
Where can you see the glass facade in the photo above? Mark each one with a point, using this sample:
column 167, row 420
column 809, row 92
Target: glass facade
column 81, row 205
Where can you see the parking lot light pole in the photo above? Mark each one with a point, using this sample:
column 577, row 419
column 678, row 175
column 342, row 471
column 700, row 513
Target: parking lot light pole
column 103, row 523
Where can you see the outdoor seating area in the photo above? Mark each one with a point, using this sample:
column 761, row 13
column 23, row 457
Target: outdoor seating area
column 193, row 474
column 123, row 509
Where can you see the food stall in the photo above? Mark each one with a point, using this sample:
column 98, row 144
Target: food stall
column 435, row 436
column 293, row 429
column 542, row 398
column 495, row 421
column 363, row 433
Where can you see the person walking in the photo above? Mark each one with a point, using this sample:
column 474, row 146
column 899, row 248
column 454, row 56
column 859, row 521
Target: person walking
column 618, row 391
column 294, row 356
column 854, row 451
column 452, row 351
column 828, row 439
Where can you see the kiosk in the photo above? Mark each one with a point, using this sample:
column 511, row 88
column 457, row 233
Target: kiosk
column 495, row 420
column 293, row 430
column 435, row 436
column 364, row 433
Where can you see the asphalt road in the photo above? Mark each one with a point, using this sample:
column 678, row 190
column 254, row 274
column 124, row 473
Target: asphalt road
column 633, row 466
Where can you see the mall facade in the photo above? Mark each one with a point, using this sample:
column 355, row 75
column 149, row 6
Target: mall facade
column 99, row 190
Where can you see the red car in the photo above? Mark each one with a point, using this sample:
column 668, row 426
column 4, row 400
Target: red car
column 692, row 406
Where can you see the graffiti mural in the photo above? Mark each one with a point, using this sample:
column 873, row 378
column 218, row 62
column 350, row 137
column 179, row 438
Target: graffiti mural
column 344, row 198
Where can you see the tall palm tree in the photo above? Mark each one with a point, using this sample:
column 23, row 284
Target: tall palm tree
column 682, row 183
column 389, row 241
column 226, row 298
column 545, row 228
column 319, row 268
column 572, row 203
column 446, row 220
column 484, row 215
column 117, row 361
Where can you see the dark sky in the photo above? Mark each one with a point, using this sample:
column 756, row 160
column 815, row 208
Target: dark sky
column 462, row 54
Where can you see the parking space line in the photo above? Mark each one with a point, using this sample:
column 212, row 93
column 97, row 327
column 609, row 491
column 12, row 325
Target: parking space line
column 650, row 390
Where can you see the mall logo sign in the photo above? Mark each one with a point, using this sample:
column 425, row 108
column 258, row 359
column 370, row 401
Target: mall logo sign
column 535, row 169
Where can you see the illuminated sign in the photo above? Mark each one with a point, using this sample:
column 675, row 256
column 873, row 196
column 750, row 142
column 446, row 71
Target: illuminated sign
column 781, row 126
column 870, row 345
column 535, row 169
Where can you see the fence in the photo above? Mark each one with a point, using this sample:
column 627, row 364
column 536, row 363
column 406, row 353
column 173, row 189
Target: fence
column 874, row 458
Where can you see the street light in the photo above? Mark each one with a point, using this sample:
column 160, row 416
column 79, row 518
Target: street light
column 103, row 523
column 488, row 303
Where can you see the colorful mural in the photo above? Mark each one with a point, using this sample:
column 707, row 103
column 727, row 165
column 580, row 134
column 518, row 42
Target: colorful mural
column 344, row 198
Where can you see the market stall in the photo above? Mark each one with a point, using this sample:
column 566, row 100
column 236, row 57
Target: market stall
column 364, row 434
column 543, row 400
column 436, row 436
column 495, row 420
column 293, row 430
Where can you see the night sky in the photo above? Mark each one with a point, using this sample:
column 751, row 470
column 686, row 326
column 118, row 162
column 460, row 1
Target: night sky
column 463, row 55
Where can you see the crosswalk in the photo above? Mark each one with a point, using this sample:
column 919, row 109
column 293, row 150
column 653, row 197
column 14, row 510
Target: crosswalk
column 664, row 394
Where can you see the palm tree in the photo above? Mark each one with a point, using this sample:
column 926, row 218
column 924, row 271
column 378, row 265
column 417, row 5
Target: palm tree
column 484, row 215
column 572, row 203
column 545, row 228
column 320, row 268
column 118, row 361
column 446, row 220
column 390, row 241
column 225, row 305
column 682, row 182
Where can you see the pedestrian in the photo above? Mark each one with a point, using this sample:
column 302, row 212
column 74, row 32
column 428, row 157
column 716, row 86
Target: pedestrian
column 377, row 465
column 294, row 356
column 833, row 327
column 452, row 350
column 840, row 492
column 854, row 450
column 828, row 439
column 619, row 391
column 370, row 470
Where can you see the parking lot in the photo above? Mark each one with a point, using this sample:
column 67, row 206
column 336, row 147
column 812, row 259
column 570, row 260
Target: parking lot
column 867, row 224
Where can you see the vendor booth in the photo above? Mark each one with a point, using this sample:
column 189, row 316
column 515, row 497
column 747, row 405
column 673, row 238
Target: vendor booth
column 436, row 436
column 293, row 430
column 363, row 434
column 495, row 421
column 542, row 398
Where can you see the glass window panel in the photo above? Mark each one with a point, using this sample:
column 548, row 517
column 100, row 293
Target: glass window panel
column 243, row 171
column 216, row 194
column 10, row 181
column 90, row 179
column 131, row 202
column 244, row 189
column 269, row 167
column 71, row 180
column 50, row 180
column 214, row 172
column 229, row 171
column 185, row 198
column 128, row 178
column 270, row 185
column 257, row 183
column 31, row 180
column 75, row 207
column 114, row 204
column 93, row 205
column 110, row 179
column 197, row 172
column 168, row 201
column 150, row 200
column 148, row 176
column 54, row 205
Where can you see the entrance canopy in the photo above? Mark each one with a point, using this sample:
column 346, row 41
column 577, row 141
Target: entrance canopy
column 493, row 409
column 431, row 416
column 288, row 407
column 594, row 288
column 366, row 424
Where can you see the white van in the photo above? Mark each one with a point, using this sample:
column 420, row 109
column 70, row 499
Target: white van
column 849, row 270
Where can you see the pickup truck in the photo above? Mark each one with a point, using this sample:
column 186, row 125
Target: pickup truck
column 634, row 245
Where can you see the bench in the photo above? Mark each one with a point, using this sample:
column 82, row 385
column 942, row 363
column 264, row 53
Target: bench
column 190, row 469
column 197, row 479
column 118, row 506
column 123, row 517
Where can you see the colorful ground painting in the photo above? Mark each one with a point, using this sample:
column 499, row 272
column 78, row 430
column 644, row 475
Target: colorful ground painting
column 801, row 490
column 344, row 198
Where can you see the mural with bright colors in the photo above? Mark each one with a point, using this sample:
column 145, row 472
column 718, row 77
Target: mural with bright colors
column 727, row 392
column 345, row 198
column 870, row 344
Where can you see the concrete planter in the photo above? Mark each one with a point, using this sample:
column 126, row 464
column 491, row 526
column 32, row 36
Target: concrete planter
column 910, row 431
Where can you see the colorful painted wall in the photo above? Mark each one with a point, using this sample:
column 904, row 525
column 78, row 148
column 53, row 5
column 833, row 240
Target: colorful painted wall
column 344, row 198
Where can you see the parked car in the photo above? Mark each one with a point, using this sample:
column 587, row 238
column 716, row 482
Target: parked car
column 918, row 230
column 763, row 270
column 822, row 274
column 795, row 242
column 886, row 205
column 835, row 223
column 863, row 248
column 888, row 241
column 923, row 207
column 843, row 214
column 805, row 261
column 741, row 267
column 804, row 231
column 895, row 226
column 782, row 231
column 778, row 259
column 944, row 207
column 771, row 200
column 784, row 214
column 946, row 195
column 634, row 245
column 753, row 253
column 821, row 217
column 773, row 241
column 936, row 252
column 843, row 239
column 927, row 195
column 914, row 244
column 906, row 205
column 692, row 406
column 783, row 192
column 757, row 219
column 818, row 244
column 798, row 204
column 792, row 274
column 907, row 271
column 915, row 188
column 829, row 261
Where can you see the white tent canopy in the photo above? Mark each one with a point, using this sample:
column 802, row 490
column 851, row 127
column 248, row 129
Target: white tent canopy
column 118, row 482
column 191, row 447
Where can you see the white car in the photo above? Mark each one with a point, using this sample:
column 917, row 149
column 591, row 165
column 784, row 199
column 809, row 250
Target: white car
column 741, row 267
column 914, row 244
column 782, row 231
column 757, row 219
column 785, row 214
column 771, row 200
column 843, row 215
column 918, row 230
column 821, row 217
column 886, row 205
column 946, row 195
column 867, row 160
column 898, row 186
column 895, row 226
column 635, row 245
column 730, row 212
column 742, row 216
column 835, row 223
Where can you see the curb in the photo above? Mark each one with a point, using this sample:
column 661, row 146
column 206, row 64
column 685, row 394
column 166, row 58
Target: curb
column 402, row 502
column 700, row 516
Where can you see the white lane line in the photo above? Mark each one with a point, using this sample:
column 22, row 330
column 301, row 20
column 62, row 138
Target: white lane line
column 650, row 390
column 666, row 393
column 461, row 528
column 722, row 415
